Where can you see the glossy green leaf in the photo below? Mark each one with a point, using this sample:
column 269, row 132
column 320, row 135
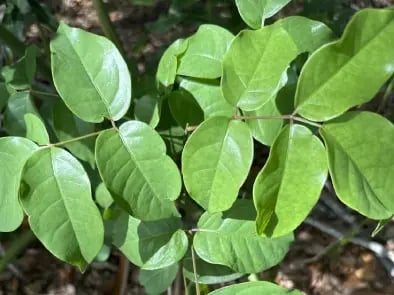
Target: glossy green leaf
column 254, row 68
column 168, row 65
column 150, row 244
column 90, row 75
column 204, row 54
column 20, row 76
column 19, row 104
column 35, row 129
column 147, row 109
column 254, row 12
column 290, row 183
column 208, row 273
column 56, row 196
column 136, row 170
column 350, row 71
column 103, row 196
column 307, row 34
column 230, row 238
column 216, row 161
column 185, row 109
column 159, row 280
column 360, row 151
column 255, row 288
column 68, row 126
column 265, row 131
column 14, row 153
column 209, row 96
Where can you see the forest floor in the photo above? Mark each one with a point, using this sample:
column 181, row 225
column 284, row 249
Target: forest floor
column 318, row 262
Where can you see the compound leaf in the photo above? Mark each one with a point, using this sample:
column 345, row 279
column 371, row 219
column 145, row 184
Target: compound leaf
column 136, row 170
column 14, row 153
column 215, row 162
column 333, row 80
column 360, row 151
column 56, row 195
column 230, row 238
column 205, row 51
column 254, row 68
column 90, row 75
column 290, row 183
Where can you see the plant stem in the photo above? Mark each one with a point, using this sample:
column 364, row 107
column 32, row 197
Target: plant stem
column 60, row 143
column 279, row 117
column 43, row 93
column 195, row 271
column 386, row 95
column 16, row 247
column 107, row 26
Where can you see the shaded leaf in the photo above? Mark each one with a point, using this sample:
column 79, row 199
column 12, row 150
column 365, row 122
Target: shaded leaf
column 90, row 75
column 136, row 170
column 205, row 51
column 216, row 161
column 290, row 183
column 35, row 129
column 56, row 196
column 230, row 238
column 184, row 108
column 14, row 153
column 159, row 280
column 332, row 80
column 150, row 244
column 360, row 149
column 147, row 109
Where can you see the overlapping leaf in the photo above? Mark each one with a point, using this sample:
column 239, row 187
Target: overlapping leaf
column 205, row 51
column 90, row 75
column 56, row 196
column 209, row 96
column 159, row 280
column 150, row 244
column 255, row 288
column 290, row 183
column 230, row 239
column 35, row 129
column 350, row 71
column 147, row 109
column 215, row 162
column 360, row 149
column 14, row 152
column 185, row 109
column 254, row 12
column 135, row 168
column 255, row 65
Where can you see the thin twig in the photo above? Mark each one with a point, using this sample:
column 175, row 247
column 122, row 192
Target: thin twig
column 195, row 271
column 60, row 143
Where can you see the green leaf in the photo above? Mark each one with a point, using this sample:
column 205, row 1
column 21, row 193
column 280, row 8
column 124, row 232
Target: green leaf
column 56, row 196
column 90, row 75
column 147, row 109
column 184, row 108
column 150, row 244
column 209, row 96
column 168, row 65
column 68, row 126
column 136, row 170
column 350, row 71
column 103, row 196
column 307, row 34
column 255, row 288
column 204, row 54
column 159, row 280
column 254, row 12
column 4, row 95
column 265, row 131
column 208, row 273
column 35, row 129
column 21, row 75
column 229, row 238
column 14, row 152
column 360, row 152
column 290, row 183
column 19, row 104
column 216, row 161
column 254, row 68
